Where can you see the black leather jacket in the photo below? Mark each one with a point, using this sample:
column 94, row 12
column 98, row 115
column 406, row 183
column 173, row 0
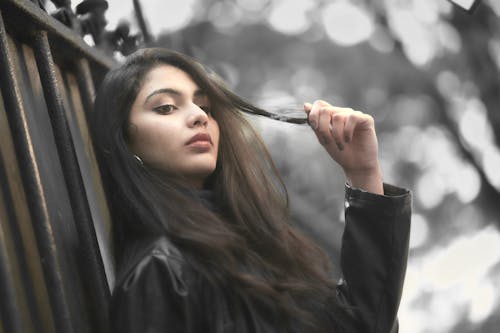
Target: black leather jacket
column 150, row 294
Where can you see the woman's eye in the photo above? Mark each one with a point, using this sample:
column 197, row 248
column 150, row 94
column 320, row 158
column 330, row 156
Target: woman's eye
column 164, row 109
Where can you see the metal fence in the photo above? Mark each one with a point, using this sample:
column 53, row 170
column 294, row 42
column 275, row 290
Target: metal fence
column 56, row 266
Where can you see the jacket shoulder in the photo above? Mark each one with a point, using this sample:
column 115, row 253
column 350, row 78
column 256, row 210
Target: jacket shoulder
column 150, row 293
column 140, row 257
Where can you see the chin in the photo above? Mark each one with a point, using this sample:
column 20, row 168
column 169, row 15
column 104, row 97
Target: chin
column 201, row 170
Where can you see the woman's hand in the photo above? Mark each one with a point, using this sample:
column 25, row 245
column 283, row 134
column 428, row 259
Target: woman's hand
column 350, row 139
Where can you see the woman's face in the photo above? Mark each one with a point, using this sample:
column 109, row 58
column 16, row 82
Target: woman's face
column 171, row 128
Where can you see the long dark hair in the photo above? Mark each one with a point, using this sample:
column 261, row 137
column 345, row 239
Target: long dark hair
column 247, row 243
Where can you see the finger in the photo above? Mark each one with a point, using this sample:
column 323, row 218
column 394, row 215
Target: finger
column 324, row 130
column 314, row 113
column 307, row 110
column 350, row 125
column 307, row 107
column 338, row 123
column 354, row 119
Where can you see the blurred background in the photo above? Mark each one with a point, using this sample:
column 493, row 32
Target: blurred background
column 428, row 72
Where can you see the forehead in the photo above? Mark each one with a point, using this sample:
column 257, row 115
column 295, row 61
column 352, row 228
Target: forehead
column 166, row 75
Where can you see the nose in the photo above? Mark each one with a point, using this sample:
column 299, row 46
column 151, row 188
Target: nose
column 197, row 117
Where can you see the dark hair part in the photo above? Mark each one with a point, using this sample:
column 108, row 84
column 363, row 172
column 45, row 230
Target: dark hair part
column 271, row 267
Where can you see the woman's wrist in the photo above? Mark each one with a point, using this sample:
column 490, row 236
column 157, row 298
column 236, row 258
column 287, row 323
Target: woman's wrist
column 369, row 180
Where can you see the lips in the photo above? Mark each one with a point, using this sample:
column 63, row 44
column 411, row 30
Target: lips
column 200, row 137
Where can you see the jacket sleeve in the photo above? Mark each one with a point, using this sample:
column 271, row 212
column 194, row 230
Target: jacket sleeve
column 150, row 297
column 373, row 256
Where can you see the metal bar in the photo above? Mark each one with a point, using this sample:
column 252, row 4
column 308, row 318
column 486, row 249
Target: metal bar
column 87, row 93
column 14, row 261
column 95, row 277
column 85, row 85
column 27, row 11
column 32, row 184
column 9, row 308
column 139, row 16
column 21, row 233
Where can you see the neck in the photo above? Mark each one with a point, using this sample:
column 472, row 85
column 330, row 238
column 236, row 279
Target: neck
column 194, row 182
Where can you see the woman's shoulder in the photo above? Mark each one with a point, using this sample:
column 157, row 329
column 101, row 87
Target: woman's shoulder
column 151, row 290
column 150, row 256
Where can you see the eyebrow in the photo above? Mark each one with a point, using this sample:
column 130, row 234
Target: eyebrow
column 170, row 91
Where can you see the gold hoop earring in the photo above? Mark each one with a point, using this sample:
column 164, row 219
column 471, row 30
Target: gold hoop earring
column 138, row 159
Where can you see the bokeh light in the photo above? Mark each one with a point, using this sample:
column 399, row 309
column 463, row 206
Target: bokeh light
column 448, row 37
column 168, row 16
column 466, row 181
column 122, row 11
column 419, row 231
column 426, row 11
column 483, row 301
column 443, row 171
column 418, row 40
column 452, row 282
column 225, row 16
column 291, row 17
column 473, row 124
column 430, row 189
column 491, row 163
column 346, row 24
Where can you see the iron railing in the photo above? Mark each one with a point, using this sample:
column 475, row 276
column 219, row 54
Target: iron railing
column 56, row 263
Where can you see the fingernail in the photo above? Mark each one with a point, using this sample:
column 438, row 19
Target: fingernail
column 312, row 124
column 340, row 146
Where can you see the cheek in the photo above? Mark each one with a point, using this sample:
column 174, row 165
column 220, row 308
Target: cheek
column 152, row 140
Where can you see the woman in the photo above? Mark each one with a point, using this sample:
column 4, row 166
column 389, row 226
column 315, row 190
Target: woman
column 200, row 213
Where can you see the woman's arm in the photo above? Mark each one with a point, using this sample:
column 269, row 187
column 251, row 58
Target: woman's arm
column 374, row 255
column 375, row 241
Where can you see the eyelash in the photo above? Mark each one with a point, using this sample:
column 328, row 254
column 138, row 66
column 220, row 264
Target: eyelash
column 161, row 109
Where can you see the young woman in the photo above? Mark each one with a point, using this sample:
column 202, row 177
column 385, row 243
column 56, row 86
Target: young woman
column 202, row 238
